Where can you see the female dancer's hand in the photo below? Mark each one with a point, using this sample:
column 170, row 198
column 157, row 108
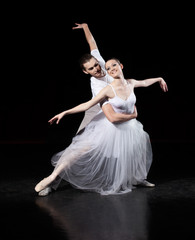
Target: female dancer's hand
column 163, row 85
column 56, row 118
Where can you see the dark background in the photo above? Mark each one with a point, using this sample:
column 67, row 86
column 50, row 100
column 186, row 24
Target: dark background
column 41, row 75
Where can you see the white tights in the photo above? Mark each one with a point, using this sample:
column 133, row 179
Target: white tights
column 69, row 161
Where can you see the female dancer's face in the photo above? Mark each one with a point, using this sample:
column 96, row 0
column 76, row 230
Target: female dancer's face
column 114, row 68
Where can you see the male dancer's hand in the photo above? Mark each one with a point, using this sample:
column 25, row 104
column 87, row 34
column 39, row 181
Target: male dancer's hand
column 79, row 25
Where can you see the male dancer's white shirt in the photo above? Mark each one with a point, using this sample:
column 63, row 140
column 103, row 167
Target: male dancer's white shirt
column 97, row 84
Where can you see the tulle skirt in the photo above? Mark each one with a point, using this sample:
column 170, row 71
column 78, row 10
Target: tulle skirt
column 106, row 158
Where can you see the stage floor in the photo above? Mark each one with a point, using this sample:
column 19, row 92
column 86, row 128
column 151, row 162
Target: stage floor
column 164, row 212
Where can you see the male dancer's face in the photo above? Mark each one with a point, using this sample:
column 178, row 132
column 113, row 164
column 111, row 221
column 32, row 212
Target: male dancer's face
column 93, row 68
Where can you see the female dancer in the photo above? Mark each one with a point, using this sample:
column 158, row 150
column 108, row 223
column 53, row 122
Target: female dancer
column 106, row 158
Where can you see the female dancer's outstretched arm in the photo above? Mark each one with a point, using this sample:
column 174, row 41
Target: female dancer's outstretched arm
column 106, row 92
column 150, row 81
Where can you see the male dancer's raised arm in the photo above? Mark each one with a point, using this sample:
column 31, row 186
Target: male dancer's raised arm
column 95, row 66
column 88, row 35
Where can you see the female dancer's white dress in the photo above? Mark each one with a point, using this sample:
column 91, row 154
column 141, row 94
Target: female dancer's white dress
column 106, row 157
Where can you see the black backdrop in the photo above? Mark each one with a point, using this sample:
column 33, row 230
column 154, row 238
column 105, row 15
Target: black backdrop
column 41, row 76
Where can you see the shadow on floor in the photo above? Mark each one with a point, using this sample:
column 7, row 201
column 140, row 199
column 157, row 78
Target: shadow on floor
column 164, row 212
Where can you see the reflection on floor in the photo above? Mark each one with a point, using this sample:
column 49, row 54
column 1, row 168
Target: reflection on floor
column 164, row 212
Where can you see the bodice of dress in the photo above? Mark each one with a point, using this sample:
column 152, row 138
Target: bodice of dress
column 123, row 106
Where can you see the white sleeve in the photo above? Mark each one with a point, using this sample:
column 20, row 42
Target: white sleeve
column 97, row 86
column 96, row 54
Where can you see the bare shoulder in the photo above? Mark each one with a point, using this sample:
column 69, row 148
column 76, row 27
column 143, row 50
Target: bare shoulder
column 106, row 90
column 109, row 90
column 108, row 87
column 131, row 81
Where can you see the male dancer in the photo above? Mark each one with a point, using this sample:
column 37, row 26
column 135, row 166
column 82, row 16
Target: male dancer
column 94, row 65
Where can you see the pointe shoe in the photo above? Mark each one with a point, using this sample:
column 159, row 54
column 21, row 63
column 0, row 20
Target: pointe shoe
column 145, row 183
column 42, row 185
column 45, row 191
